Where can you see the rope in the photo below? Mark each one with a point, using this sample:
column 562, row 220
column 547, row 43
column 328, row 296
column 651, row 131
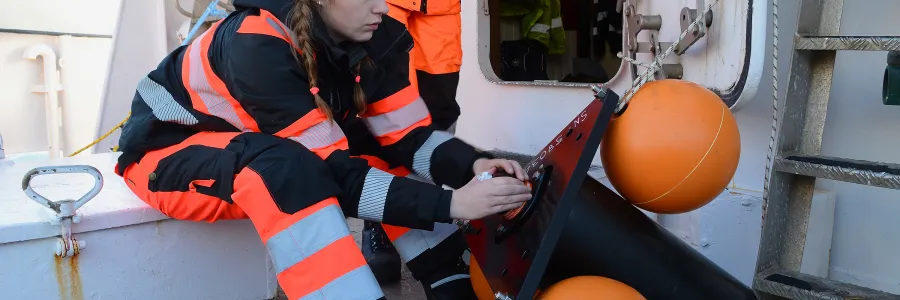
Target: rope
column 774, row 133
column 104, row 136
column 656, row 64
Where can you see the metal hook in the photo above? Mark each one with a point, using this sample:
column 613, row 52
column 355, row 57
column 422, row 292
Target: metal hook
column 56, row 205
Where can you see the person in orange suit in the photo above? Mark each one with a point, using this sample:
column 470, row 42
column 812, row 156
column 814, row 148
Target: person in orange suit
column 435, row 60
column 436, row 57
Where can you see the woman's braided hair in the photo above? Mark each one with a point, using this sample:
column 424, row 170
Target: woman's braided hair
column 301, row 25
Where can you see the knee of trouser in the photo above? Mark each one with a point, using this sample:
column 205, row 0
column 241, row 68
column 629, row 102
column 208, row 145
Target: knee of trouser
column 293, row 176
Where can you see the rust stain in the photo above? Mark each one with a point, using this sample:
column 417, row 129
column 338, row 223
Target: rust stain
column 68, row 280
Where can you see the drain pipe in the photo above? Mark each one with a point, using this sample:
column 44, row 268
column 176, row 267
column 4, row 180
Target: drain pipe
column 67, row 101
column 50, row 88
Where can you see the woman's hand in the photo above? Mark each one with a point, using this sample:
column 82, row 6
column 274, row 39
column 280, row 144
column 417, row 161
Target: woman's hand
column 511, row 167
column 478, row 199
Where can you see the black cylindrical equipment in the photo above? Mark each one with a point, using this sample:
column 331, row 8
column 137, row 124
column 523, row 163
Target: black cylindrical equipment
column 607, row 236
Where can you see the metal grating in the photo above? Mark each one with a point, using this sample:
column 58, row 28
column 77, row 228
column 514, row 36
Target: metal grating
column 856, row 43
column 869, row 173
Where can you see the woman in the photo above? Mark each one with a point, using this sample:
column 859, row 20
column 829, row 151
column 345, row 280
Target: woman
column 277, row 112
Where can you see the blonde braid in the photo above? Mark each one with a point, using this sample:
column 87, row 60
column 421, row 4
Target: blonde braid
column 301, row 22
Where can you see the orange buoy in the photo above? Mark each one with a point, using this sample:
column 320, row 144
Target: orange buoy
column 479, row 282
column 674, row 148
column 588, row 288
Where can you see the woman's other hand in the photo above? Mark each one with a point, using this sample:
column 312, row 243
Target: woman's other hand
column 511, row 167
column 478, row 199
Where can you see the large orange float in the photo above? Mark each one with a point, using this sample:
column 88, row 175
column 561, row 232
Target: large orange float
column 674, row 148
column 590, row 288
column 479, row 282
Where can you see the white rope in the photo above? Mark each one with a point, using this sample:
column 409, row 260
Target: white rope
column 632, row 61
column 774, row 133
column 656, row 64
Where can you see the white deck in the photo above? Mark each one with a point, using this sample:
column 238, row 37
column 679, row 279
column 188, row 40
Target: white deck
column 132, row 251
column 23, row 219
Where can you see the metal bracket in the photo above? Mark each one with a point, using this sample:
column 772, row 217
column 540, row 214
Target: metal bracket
column 65, row 209
column 667, row 70
column 688, row 15
column 635, row 23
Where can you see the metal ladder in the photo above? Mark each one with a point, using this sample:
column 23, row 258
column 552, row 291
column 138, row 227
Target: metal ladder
column 797, row 162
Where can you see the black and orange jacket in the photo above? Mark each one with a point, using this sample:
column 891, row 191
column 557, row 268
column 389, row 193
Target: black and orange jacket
column 241, row 75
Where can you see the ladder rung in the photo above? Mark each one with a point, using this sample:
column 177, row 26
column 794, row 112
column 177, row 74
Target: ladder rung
column 857, row 43
column 795, row 285
column 869, row 173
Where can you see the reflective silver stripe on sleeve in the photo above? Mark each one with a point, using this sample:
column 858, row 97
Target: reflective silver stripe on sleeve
column 422, row 157
column 164, row 106
column 374, row 193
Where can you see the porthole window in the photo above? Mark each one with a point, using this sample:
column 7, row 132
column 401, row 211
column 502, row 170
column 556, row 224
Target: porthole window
column 551, row 42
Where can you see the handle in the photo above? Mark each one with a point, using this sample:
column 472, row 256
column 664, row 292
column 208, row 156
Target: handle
column 513, row 219
column 53, row 205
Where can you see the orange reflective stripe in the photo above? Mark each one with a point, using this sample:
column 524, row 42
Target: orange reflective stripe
column 312, row 250
column 261, row 25
column 311, row 118
column 393, row 102
column 325, row 152
column 315, row 132
column 380, row 164
column 267, row 24
column 391, row 118
column 375, row 162
column 332, row 263
column 208, row 93
column 220, row 88
column 393, row 137
column 394, row 232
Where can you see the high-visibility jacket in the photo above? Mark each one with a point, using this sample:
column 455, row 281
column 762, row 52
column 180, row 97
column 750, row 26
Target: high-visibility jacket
column 541, row 21
column 242, row 76
column 429, row 7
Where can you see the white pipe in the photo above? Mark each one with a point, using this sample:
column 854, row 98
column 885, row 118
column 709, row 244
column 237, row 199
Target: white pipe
column 51, row 87
column 2, row 153
column 67, row 99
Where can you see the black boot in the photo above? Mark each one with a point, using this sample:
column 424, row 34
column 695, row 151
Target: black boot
column 380, row 254
column 451, row 282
